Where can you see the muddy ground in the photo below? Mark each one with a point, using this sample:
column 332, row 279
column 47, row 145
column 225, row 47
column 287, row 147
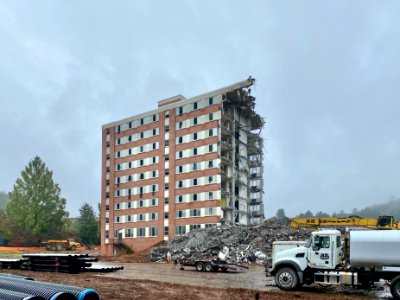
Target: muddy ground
column 163, row 281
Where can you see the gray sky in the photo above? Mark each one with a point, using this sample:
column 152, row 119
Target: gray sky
column 328, row 81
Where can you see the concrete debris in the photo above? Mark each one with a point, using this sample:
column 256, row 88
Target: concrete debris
column 246, row 244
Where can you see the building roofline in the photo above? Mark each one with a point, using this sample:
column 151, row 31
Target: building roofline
column 239, row 85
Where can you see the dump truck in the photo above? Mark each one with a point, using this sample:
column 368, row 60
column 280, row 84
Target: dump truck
column 61, row 245
column 382, row 222
column 356, row 258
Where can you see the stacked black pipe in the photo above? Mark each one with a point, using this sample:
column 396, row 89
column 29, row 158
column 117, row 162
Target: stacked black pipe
column 10, row 295
column 45, row 290
column 66, row 263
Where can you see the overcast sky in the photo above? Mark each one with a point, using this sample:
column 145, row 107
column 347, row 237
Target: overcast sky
column 328, row 83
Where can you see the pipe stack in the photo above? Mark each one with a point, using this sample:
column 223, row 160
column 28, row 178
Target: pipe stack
column 19, row 288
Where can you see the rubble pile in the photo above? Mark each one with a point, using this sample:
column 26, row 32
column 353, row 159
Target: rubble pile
column 246, row 243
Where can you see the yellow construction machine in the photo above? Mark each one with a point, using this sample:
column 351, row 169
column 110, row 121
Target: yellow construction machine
column 61, row 245
column 382, row 222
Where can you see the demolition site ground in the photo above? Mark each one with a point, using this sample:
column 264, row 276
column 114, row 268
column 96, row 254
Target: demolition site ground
column 165, row 281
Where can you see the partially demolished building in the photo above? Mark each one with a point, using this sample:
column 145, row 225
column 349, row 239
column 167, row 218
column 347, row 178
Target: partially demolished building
column 191, row 163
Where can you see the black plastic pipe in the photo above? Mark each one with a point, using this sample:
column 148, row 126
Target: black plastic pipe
column 11, row 295
column 78, row 292
column 28, row 287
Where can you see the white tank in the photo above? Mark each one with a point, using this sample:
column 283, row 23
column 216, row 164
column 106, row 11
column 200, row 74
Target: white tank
column 375, row 248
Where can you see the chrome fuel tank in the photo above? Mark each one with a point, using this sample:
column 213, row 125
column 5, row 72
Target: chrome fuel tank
column 375, row 248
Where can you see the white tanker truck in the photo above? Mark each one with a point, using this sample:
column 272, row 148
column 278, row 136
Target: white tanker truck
column 356, row 258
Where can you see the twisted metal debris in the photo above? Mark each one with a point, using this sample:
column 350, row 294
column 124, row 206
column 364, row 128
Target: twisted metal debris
column 246, row 244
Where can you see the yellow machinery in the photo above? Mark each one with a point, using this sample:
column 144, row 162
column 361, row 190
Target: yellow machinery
column 382, row 222
column 59, row 245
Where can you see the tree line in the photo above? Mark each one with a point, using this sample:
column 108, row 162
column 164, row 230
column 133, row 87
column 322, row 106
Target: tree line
column 34, row 211
column 390, row 208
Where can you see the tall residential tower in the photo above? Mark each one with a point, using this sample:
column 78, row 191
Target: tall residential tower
column 191, row 163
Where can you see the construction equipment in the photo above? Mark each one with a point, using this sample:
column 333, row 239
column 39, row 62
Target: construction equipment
column 61, row 245
column 359, row 257
column 382, row 222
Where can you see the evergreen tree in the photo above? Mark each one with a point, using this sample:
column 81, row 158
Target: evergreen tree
column 35, row 207
column 88, row 225
column 280, row 214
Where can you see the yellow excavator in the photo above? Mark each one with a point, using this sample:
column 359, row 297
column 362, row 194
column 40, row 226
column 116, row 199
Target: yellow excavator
column 382, row 222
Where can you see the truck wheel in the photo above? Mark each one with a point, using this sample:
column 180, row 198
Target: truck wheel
column 208, row 267
column 199, row 266
column 395, row 287
column 73, row 248
column 286, row 279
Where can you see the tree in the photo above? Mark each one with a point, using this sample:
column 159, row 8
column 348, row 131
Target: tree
column 88, row 225
column 36, row 208
column 3, row 200
column 280, row 214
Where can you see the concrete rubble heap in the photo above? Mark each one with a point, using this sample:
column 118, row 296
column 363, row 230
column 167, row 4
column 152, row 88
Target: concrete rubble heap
column 246, row 243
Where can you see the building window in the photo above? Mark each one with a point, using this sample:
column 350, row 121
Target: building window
column 166, row 143
column 195, row 212
column 141, row 176
column 153, row 188
column 180, row 110
column 166, row 230
column 180, row 230
column 153, row 231
column 141, row 191
column 180, row 140
column 210, row 163
column 210, row 179
column 195, row 181
column 180, row 169
column 194, row 151
column 154, row 173
column 180, row 125
column 154, row 146
column 108, row 130
column 154, row 118
column 107, row 234
column 154, row 131
column 140, row 232
column 210, row 148
column 142, row 217
column 167, row 114
column 180, row 199
column 210, row 132
column 210, row 195
column 166, row 157
column 141, row 149
column 195, row 121
column 180, row 183
column 166, row 171
column 210, row 117
column 166, row 187
column 153, row 202
column 154, row 160
column 194, row 226
column 166, row 200
column 166, row 215
column 153, row 216
column 195, row 105
column 195, row 136
column 180, row 214
column 210, row 101
column 167, row 128
column 142, row 135
column 141, row 121
column 141, row 162
column 180, row 155
column 194, row 166
column 194, row 197
column 141, row 203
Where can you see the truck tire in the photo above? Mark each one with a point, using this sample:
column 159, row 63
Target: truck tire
column 199, row 266
column 208, row 267
column 395, row 287
column 73, row 248
column 286, row 279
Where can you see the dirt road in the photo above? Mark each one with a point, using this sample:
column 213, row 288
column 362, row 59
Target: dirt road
column 162, row 281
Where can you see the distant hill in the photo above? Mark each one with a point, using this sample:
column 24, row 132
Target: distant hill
column 3, row 200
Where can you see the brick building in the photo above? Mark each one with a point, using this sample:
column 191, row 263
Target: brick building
column 190, row 163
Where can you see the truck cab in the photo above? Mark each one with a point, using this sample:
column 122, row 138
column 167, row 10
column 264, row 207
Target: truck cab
column 321, row 252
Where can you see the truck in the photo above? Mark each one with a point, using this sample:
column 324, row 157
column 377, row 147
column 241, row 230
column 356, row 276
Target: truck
column 61, row 245
column 355, row 258
column 382, row 222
